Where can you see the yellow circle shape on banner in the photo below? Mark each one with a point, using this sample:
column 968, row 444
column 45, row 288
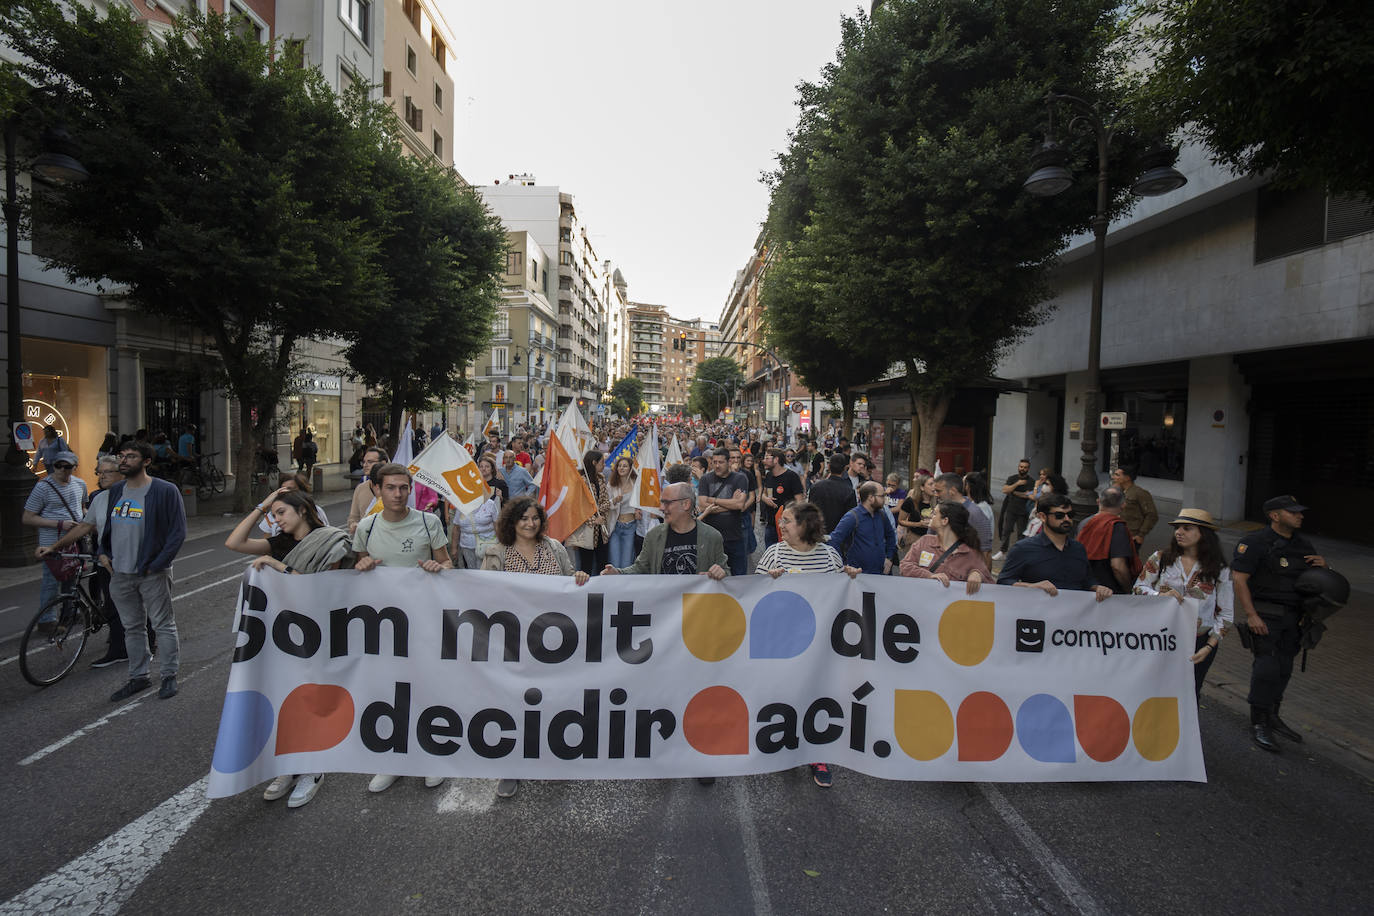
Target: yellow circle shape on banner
column 966, row 631
column 922, row 723
column 713, row 626
column 1155, row 727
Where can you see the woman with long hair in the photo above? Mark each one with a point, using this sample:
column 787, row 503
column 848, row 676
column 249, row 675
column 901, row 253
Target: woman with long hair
column 913, row 516
column 523, row 547
column 491, row 475
column 1194, row 566
column 750, row 470
column 592, row 538
column 800, row 550
column 297, row 482
column 976, row 486
column 302, row 545
column 950, row 552
column 624, row 487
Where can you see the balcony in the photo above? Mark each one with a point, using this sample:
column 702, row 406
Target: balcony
column 490, row 371
column 565, row 365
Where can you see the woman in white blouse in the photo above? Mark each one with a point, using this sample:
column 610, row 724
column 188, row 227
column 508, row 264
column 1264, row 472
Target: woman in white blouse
column 1194, row 566
column 469, row 535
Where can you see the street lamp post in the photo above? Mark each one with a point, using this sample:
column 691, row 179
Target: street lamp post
column 56, row 166
column 1050, row 176
column 531, row 362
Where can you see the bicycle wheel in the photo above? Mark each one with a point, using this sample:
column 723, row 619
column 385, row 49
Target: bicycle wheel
column 216, row 479
column 49, row 650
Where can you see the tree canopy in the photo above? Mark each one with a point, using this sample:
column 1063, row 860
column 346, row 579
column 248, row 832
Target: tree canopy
column 1268, row 85
column 714, row 385
column 900, row 196
column 630, row 392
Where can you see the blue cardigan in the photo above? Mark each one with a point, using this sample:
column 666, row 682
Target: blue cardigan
column 873, row 539
column 164, row 525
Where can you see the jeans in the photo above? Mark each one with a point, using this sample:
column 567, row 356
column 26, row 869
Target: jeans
column 770, row 531
column 142, row 600
column 737, row 557
column 623, row 544
column 746, row 530
column 50, row 589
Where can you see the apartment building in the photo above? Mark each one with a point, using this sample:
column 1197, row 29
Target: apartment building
column 648, row 342
column 344, row 38
column 415, row 77
column 617, row 327
column 550, row 218
column 697, row 340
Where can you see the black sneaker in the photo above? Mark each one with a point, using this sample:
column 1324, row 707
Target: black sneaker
column 108, row 659
column 706, row 780
column 135, row 685
column 169, row 687
column 821, row 774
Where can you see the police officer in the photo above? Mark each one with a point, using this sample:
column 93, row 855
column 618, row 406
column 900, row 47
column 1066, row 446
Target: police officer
column 1264, row 572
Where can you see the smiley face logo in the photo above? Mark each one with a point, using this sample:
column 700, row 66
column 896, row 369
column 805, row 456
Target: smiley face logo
column 1030, row 635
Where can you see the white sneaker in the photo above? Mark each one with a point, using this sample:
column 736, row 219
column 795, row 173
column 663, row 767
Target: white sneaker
column 381, row 782
column 998, row 555
column 306, row 787
column 432, row 781
column 278, row 787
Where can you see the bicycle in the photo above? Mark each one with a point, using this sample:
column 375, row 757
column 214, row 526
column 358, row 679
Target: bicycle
column 49, row 650
column 208, row 478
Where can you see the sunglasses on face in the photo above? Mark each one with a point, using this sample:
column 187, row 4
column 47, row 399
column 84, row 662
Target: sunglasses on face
column 1060, row 515
column 64, row 467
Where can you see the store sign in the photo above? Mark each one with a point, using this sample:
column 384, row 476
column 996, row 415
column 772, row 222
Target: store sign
column 41, row 414
column 772, row 410
column 314, row 383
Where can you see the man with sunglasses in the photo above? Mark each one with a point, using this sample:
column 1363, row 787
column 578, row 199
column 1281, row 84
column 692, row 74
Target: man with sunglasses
column 54, row 506
column 1051, row 559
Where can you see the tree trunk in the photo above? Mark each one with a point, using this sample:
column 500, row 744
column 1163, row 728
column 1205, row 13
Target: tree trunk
column 930, row 412
column 847, row 411
column 245, row 460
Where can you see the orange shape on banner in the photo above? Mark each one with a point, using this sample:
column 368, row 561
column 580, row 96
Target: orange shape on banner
column 965, row 633
column 985, row 728
column 716, row 721
column 314, row 717
column 921, row 723
column 713, row 626
column 1155, row 727
column 1102, row 726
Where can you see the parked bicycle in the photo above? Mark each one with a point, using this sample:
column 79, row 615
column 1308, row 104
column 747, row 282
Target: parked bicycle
column 208, row 478
column 50, row 649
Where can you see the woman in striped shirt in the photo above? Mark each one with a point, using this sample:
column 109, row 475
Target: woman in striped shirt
column 801, row 551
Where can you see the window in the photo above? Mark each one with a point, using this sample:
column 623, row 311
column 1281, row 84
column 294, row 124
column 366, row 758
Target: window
column 386, row 83
column 438, row 145
column 501, row 326
column 515, row 263
column 1155, row 400
column 499, row 356
column 293, row 52
column 566, row 257
column 410, row 59
column 534, row 272
column 242, row 22
column 411, row 10
column 358, row 15
column 438, row 97
column 414, row 116
column 436, row 44
column 1291, row 221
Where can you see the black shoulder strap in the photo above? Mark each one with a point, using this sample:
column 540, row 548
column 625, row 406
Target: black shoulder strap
column 65, row 505
column 944, row 556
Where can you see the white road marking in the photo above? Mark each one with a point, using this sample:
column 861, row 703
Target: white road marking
column 1077, row 895
column 102, row 879
column 198, row 553
column 12, row 607
column 468, row 795
column 103, row 720
column 195, row 591
column 241, row 560
column 753, row 859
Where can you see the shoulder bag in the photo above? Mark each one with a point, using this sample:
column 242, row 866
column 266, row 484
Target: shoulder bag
column 65, row 563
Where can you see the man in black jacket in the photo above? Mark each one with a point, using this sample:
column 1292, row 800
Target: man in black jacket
column 834, row 495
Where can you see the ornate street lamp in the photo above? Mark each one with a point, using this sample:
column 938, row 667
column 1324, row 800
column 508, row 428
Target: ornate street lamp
column 1049, row 176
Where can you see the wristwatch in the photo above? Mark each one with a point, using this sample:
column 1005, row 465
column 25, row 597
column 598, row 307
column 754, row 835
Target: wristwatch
column 288, row 569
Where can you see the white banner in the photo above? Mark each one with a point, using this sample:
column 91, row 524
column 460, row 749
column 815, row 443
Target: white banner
column 484, row 674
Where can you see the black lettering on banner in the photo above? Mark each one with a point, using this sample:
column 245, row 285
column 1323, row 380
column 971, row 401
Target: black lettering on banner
column 901, row 631
column 858, row 717
column 252, row 599
column 477, row 733
column 867, row 622
column 645, row 722
column 776, row 735
column 371, row 619
column 585, row 720
column 311, row 637
column 567, row 642
column 398, row 714
column 624, row 621
column 1132, row 642
column 533, row 697
column 481, row 633
column 616, row 727
column 595, row 612
column 1090, row 639
column 439, row 722
column 831, row 732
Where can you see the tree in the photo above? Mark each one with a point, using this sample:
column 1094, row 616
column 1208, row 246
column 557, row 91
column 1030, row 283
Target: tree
column 226, row 189
column 629, row 391
column 714, row 385
column 1268, row 85
column 441, row 253
column 804, row 324
column 902, row 184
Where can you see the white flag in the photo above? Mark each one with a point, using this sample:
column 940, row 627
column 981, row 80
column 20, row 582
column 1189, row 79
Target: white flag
column 574, row 432
column 448, row 469
column 404, row 450
column 646, row 465
column 674, row 455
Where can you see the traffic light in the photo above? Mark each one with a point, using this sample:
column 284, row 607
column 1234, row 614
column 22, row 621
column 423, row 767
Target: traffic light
column 680, row 342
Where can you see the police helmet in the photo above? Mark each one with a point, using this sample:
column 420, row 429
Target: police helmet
column 1325, row 585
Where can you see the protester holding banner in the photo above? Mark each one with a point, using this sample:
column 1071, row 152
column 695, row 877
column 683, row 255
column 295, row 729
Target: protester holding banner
column 624, row 486
column 679, row 546
column 523, row 547
column 298, row 481
column 591, row 540
column 1050, row 560
column 951, row 551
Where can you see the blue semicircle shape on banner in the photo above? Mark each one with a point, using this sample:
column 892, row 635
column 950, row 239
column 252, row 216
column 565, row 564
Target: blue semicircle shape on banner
column 244, row 727
column 783, row 625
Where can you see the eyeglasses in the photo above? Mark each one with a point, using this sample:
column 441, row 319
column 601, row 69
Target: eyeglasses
column 679, row 499
column 1060, row 515
column 64, row 466
column 131, row 456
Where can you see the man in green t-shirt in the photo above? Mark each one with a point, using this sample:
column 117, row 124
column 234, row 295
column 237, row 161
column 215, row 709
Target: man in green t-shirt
column 400, row 536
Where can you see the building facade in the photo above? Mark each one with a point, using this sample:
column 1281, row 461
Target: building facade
column 648, row 327
column 415, row 78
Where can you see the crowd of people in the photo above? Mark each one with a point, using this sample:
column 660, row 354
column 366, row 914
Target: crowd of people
column 739, row 501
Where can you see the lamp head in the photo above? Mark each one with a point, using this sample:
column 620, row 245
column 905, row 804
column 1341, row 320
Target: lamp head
column 1049, row 175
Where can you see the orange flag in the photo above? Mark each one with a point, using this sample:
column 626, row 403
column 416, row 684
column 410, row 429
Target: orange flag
column 564, row 494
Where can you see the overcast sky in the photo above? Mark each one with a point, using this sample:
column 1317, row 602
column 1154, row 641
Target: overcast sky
column 657, row 116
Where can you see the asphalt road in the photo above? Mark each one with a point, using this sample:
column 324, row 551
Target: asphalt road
column 105, row 812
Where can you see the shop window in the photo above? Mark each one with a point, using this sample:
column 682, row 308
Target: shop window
column 66, row 387
column 1289, row 221
column 1153, row 440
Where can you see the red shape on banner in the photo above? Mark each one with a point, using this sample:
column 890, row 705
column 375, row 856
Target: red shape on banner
column 985, row 728
column 1102, row 726
column 314, row 717
column 716, row 722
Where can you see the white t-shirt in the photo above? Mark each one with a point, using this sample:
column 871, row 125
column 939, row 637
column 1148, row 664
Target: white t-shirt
column 402, row 544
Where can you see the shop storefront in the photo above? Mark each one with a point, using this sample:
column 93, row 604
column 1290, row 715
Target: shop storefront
column 318, row 408
column 66, row 387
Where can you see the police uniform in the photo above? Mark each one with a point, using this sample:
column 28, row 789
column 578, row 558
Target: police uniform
column 1273, row 563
